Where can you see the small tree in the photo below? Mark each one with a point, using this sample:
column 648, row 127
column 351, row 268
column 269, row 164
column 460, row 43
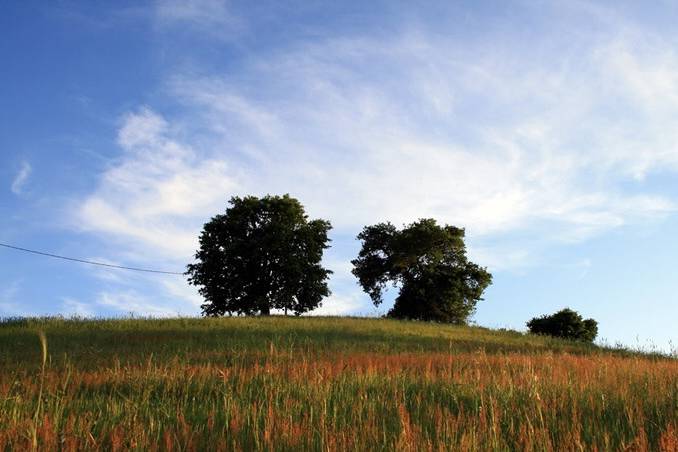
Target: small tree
column 262, row 254
column 429, row 262
column 567, row 324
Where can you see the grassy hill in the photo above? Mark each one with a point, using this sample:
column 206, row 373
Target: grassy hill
column 323, row 384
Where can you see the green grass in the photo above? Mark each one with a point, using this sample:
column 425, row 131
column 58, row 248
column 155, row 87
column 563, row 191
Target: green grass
column 286, row 383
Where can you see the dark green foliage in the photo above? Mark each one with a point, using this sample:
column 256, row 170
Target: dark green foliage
column 429, row 262
column 262, row 254
column 567, row 324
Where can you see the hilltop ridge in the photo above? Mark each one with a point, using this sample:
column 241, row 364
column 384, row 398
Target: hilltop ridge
column 323, row 383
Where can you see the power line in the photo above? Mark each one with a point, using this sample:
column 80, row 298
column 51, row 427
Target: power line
column 102, row 264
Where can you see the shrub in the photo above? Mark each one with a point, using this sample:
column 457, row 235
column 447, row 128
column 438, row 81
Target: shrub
column 567, row 324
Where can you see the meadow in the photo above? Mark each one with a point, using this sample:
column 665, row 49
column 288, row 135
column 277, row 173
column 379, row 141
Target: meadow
column 286, row 383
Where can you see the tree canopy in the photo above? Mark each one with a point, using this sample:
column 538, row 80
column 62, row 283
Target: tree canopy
column 566, row 324
column 262, row 254
column 429, row 263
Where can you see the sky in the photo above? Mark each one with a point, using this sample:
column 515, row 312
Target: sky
column 548, row 130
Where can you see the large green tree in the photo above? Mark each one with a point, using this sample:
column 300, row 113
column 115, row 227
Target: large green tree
column 262, row 254
column 437, row 281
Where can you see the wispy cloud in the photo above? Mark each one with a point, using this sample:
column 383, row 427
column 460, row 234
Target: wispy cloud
column 159, row 194
column 70, row 307
column 555, row 142
column 9, row 303
column 344, row 304
column 21, row 178
column 358, row 147
column 361, row 146
column 131, row 302
column 212, row 17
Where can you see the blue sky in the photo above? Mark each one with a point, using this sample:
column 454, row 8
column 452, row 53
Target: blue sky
column 546, row 129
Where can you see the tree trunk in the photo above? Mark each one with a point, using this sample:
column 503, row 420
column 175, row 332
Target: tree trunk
column 265, row 310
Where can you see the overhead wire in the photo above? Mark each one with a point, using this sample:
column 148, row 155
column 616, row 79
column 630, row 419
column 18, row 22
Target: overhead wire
column 85, row 261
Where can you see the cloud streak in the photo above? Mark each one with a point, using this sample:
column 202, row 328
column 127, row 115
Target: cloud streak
column 130, row 302
column 158, row 194
column 8, row 303
column 212, row 17
column 554, row 142
column 21, row 178
column 360, row 146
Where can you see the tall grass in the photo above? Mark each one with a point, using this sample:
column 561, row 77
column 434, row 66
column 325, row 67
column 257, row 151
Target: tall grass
column 324, row 384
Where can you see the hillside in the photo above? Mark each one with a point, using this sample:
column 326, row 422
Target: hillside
column 323, row 384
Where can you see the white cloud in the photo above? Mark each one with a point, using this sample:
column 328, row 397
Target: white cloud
column 359, row 149
column 8, row 304
column 213, row 17
column 360, row 146
column 159, row 194
column 131, row 302
column 177, row 288
column 340, row 304
column 555, row 144
column 109, row 274
column 144, row 129
column 70, row 306
column 21, row 178
column 503, row 257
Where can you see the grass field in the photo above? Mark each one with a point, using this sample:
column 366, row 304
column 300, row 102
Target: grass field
column 323, row 384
